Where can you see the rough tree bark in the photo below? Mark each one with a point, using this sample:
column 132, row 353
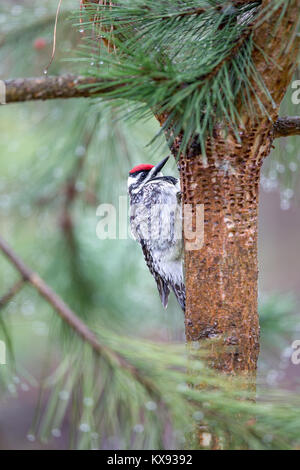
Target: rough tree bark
column 221, row 278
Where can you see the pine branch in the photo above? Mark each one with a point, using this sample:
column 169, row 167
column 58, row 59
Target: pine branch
column 71, row 193
column 189, row 12
column 72, row 86
column 68, row 316
column 52, row 298
column 47, row 88
column 11, row 292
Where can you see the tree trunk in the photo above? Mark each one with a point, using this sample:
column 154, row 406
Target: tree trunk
column 221, row 277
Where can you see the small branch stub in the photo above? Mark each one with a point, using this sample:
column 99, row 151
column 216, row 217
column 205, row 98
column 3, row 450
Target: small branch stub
column 287, row 126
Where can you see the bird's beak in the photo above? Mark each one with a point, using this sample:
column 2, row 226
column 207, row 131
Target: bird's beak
column 158, row 168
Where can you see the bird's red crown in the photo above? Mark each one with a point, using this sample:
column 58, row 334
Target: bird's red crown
column 142, row 167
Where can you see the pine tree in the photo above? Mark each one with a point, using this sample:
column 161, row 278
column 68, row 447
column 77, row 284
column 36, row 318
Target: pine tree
column 214, row 74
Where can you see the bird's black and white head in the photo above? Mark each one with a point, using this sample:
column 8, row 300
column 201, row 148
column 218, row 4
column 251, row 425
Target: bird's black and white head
column 143, row 174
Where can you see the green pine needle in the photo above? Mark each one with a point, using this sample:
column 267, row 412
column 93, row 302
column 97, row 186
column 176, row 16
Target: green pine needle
column 191, row 59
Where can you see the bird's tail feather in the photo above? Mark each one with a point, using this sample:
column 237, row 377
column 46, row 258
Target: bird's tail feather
column 163, row 290
column 179, row 291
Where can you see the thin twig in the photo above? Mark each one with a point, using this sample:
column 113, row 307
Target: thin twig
column 54, row 37
column 11, row 292
column 71, row 193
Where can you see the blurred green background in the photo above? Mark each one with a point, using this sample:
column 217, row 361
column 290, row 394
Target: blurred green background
column 48, row 148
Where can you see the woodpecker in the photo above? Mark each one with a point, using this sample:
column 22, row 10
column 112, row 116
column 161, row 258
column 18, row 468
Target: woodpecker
column 156, row 223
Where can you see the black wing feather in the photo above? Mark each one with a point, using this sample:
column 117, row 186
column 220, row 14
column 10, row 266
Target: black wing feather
column 162, row 286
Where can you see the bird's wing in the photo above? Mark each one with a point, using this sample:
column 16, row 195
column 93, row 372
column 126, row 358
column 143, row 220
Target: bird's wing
column 162, row 286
